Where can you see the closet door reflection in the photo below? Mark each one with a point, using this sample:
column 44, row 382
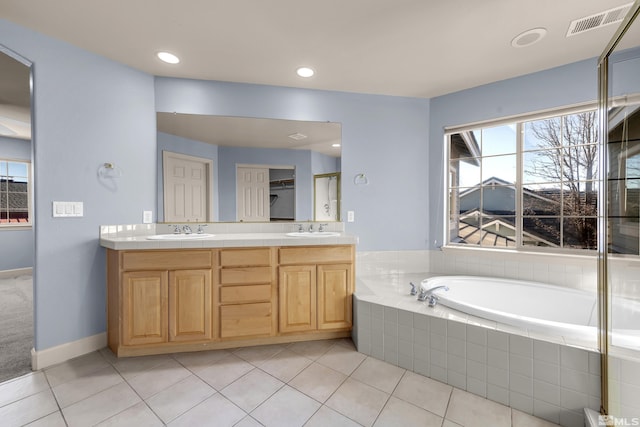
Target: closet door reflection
column 326, row 190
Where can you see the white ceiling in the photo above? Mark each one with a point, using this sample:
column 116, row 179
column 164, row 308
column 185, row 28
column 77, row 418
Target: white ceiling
column 417, row 48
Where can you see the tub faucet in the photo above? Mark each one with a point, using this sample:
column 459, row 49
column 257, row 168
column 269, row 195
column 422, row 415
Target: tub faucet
column 429, row 296
column 413, row 290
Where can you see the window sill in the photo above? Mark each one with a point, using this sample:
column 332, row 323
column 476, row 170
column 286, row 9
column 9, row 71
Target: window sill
column 25, row 227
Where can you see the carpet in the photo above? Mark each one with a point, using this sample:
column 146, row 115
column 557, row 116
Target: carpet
column 16, row 326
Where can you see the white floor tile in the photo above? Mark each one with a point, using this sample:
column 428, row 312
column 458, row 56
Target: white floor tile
column 100, row 406
column 89, row 384
column 342, row 359
column 327, row 417
column 75, row 368
column 130, row 367
column 311, row 349
column 285, row 365
column 287, row 408
column 259, row 354
column 318, row 381
column 225, row 371
column 248, row 422
column 398, row 412
column 470, row 410
column 520, row 419
column 139, row 415
column 179, row 398
column 216, row 408
column 158, row 378
column 378, row 374
column 424, row 392
column 252, row 389
column 52, row 420
column 28, row 409
column 21, row 387
column 198, row 361
column 358, row 401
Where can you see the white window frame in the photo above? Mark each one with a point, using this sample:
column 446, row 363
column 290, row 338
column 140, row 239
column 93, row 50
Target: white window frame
column 517, row 121
column 29, row 224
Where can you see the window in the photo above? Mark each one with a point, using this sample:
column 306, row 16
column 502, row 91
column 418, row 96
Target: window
column 14, row 193
column 526, row 183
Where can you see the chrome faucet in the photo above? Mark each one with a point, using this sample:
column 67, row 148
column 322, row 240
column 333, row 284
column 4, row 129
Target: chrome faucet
column 310, row 228
column 187, row 229
column 300, row 228
column 429, row 295
column 322, row 226
column 200, row 229
column 176, row 229
column 413, row 290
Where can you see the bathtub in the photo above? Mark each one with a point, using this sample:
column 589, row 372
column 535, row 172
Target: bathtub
column 547, row 309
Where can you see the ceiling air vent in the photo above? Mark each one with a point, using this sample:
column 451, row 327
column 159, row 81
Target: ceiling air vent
column 598, row 20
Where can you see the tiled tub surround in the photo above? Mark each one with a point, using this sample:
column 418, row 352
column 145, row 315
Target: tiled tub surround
column 578, row 272
column 537, row 375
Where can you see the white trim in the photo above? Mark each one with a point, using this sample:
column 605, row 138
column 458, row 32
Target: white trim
column 7, row 274
column 61, row 353
column 525, row 117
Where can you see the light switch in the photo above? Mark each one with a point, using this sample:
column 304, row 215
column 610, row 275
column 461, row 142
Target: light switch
column 351, row 216
column 68, row 209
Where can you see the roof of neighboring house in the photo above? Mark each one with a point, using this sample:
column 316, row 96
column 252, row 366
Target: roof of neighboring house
column 466, row 145
column 17, row 196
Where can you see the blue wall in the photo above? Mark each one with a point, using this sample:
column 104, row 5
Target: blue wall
column 382, row 136
column 88, row 111
column 16, row 246
column 557, row 87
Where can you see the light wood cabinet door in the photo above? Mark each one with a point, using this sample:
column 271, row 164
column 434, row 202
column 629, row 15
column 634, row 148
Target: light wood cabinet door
column 297, row 301
column 144, row 307
column 334, row 296
column 190, row 305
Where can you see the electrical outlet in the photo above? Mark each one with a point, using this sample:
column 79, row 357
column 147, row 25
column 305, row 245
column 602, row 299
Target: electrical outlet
column 147, row 217
column 351, row 216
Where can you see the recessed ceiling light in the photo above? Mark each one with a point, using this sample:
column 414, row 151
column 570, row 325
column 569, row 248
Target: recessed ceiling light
column 335, row 145
column 529, row 37
column 305, row 72
column 167, row 57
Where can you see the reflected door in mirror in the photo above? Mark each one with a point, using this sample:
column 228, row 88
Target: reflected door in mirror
column 253, row 194
column 186, row 186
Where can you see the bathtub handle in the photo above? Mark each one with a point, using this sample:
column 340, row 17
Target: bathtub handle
column 413, row 289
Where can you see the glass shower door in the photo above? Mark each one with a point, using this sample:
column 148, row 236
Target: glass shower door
column 619, row 231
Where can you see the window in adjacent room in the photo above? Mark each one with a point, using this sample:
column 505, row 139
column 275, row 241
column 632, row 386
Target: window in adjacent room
column 531, row 182
column 15, row 209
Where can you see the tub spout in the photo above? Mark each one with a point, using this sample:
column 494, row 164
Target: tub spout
column 429, row 294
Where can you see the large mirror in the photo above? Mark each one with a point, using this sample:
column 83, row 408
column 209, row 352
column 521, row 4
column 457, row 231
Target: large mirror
column 227, row 169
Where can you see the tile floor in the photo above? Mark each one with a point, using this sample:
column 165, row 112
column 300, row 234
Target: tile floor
column 317, row 383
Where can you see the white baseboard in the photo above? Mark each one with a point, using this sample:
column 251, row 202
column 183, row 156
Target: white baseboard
column 7, row 274
column 61, row 353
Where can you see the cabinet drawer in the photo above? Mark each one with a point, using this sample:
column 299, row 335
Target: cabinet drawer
column 246, row 275
column 316, row 254
column 166, row 260
column 243, row 294
column 245, row 320
column 254, row 257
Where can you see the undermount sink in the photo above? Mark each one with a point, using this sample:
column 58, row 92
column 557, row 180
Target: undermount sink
column 179, row 236
column 313, row 234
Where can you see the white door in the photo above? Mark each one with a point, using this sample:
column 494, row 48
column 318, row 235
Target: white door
column 186, row 188
column 252, row 197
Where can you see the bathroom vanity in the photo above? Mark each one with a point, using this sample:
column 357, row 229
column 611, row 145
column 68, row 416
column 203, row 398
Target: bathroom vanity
column 227, row 290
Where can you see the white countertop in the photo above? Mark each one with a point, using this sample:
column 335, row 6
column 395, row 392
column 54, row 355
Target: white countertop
column 226, row 240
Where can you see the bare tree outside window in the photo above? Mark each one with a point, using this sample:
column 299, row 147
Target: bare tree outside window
column 568, row 157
